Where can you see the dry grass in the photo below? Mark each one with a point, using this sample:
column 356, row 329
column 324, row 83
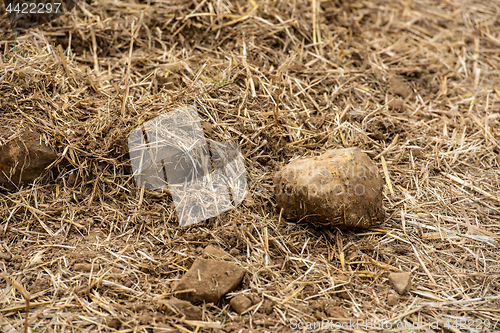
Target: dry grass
column 286, row 79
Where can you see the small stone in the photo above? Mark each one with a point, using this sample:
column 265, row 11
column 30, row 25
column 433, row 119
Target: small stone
column 341, row 188
column 234, row 252
column 208, row 280
column 240, row 303
column 401, row 282
column 212, row 252
column 392, row 299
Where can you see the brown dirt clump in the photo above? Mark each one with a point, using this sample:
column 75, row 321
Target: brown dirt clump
column 208, row 280
column 23, row 159
column 340, row 188
column 240, row 303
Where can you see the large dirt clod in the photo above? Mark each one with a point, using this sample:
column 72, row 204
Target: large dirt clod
column 23, row 159
column 340, row 188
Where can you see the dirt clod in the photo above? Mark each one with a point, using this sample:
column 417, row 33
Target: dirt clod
column 401, row 282
column 5, row 256
column 23, row 159
column 240, row 303
column 340, row 188
column 208, row 280
column 392, row 299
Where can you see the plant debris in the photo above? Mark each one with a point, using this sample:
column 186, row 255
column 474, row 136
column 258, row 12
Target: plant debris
column 283, row 80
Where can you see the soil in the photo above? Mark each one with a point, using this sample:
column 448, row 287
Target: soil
column 414, row 85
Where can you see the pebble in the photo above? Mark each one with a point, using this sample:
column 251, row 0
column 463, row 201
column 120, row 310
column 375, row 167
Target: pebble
column 240, row 303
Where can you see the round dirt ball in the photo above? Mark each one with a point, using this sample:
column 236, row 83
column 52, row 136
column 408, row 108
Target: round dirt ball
column 341, row 188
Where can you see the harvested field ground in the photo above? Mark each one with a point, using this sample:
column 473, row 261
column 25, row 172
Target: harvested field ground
column 414, row 84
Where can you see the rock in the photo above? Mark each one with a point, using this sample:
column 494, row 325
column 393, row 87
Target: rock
column 174, row 306
column 208, row 280
column 234, row 252
column 340, row 188
column 23, row 159
column 212, row 252
column 240, row 303
column 392, row 299
column 401, row 282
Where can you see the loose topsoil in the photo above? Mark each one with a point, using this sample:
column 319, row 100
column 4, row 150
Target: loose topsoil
column 414, row 84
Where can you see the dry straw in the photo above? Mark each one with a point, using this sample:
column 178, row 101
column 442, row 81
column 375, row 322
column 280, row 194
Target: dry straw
column 412, row 83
